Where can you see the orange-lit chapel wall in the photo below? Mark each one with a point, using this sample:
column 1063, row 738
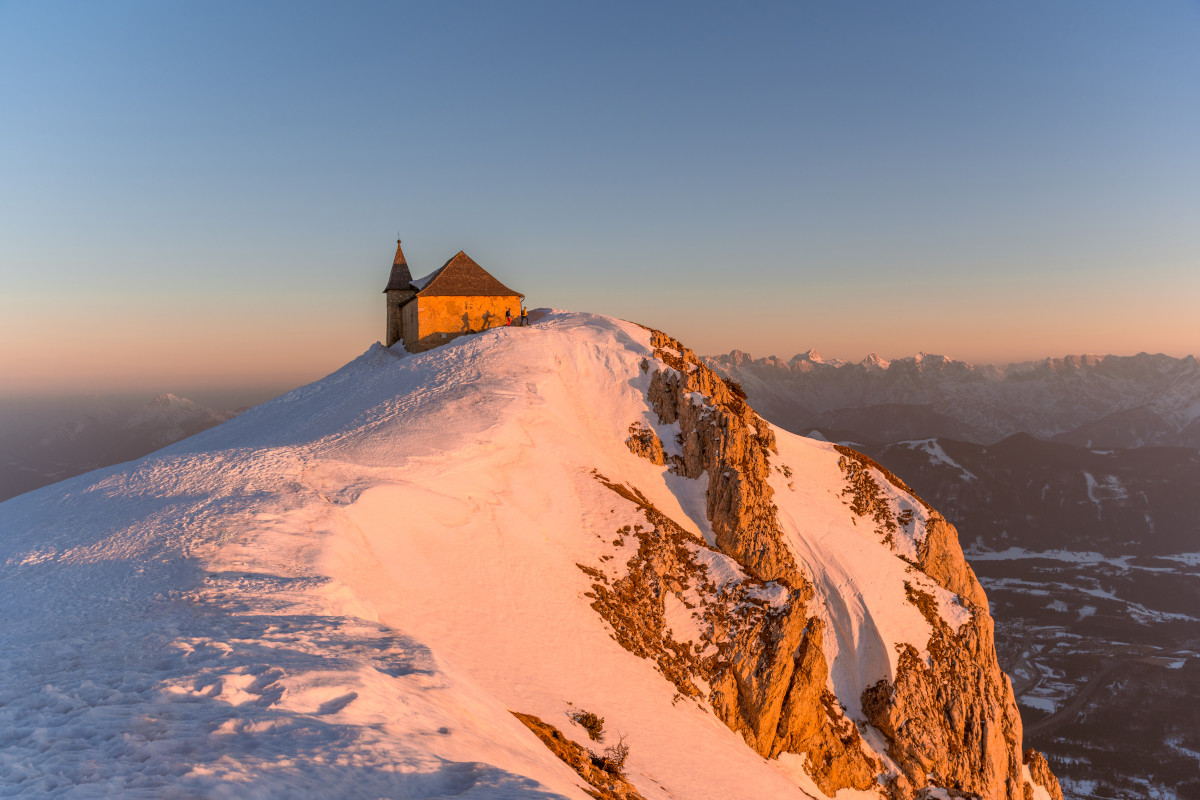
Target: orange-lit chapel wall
column 432, row 321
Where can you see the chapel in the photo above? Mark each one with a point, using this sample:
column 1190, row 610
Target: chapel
column 457, row 298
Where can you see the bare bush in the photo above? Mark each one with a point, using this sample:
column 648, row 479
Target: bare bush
column 613, row 760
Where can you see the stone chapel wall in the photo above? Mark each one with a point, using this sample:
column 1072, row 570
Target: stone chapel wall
column 437, row 320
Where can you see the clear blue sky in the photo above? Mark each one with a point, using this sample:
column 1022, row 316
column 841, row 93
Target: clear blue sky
column 197, row 194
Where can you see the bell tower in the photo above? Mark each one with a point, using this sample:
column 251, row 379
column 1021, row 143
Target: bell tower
column 399, row 291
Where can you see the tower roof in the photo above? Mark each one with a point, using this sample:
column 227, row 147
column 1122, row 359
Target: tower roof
column 400, row 278
column 462, row 277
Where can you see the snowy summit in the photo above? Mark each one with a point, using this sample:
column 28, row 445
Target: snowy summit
column 432, row 574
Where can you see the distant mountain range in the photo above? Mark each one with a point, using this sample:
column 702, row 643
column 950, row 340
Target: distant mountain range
column 1090, row 401
column 97, row 435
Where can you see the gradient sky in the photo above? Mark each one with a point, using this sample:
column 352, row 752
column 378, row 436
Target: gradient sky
column 208, row 194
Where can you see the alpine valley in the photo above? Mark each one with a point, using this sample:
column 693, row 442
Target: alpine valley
column 564, row 560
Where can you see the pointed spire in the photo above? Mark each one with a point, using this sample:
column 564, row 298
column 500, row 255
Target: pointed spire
column 400, row 278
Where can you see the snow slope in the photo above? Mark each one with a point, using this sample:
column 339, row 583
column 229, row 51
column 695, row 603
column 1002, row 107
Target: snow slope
column 345, row 591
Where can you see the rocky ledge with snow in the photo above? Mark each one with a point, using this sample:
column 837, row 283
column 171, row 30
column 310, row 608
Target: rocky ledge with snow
column 567, row 560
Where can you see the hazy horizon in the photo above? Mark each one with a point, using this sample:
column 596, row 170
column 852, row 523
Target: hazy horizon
column 51, row 403
column 200, row 199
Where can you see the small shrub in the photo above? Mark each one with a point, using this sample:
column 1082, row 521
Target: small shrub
column 613, row 760
column 591, row 723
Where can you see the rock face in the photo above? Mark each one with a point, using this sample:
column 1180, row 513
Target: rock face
column 732, row 444
column 645, row 443
column 757, row 658
column 757, row 655
column 942, row 559
column 1039, row 770
column 953, row 717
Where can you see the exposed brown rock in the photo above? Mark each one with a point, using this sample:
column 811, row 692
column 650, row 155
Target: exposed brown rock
column 605, row 783
column 953, row 719
column 939, row 554
column 725, row 438
column 888, row 475
column 1039, row 770
column 633, row 604
column 867, row 498
column 645, row 443
column 941, row 557
column 814, row 723
column 751, row 684
column 763, row 664
column 951, row 722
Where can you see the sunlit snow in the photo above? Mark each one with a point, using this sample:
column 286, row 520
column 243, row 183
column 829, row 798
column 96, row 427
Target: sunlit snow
column 345, row 591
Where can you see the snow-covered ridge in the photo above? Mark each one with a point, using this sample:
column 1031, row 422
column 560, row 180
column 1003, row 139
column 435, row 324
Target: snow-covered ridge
column 345, row 591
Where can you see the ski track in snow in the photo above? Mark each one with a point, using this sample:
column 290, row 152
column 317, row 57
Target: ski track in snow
column 343, row 592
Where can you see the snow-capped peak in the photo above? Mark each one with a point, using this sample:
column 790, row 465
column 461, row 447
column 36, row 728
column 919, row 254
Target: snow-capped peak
column 810, row 355
column 346, row 590
column 875, row 361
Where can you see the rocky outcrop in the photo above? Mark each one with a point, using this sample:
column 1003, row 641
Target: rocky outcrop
column 951, row 721
column 1039, row 770
column 723, row 437
column 756, row 657
column 606, row 782
column 634, row 603
column 948, row 720
column 939, row 554
column 941, row 558
column 763, row 664
column 817, row 724
column 645, row 443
